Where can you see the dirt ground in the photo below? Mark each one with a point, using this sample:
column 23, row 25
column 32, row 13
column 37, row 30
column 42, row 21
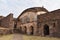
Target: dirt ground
column 17, row 37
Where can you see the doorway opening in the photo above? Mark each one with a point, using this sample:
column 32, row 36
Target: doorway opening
column 46, row 30
column 20, row 29
column 32, row 30
column 25, row 29
column 15, row 28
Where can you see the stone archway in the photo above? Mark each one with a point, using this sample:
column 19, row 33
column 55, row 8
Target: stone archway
column 15, row 28
column 31, row 30
column 46, row 30
column 25, row 29
column 20, row 29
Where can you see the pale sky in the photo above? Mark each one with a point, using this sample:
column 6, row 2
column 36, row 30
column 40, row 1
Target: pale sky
column 17, row 6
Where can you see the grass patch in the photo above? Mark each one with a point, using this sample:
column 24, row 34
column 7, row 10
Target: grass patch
column 25, row 37
column 6, row 37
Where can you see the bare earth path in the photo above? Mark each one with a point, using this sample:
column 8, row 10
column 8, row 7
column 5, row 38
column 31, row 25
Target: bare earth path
column 17, row 37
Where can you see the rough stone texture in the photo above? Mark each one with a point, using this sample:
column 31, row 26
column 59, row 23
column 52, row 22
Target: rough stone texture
column 34, row 21
column 1, row 17
column 7, row 22
column 5, row 31
column 49, row 16
column 30, row 19
column 52, row 19
column 27, row 21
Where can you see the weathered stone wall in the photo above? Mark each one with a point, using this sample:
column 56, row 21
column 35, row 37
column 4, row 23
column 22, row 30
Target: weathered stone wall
column 28, row 16
column 18, row 24
column 52, row 27
column 7, row 21
column 49, row 16
column 58, row 28
column 5, row 31
column 1, row 17
column 28, row 20
column 52, row 19
column 26, row 28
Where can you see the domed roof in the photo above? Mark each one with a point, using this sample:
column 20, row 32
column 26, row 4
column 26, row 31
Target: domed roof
column 34, row 9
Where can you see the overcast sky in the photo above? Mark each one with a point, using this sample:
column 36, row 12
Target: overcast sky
column 17, row 6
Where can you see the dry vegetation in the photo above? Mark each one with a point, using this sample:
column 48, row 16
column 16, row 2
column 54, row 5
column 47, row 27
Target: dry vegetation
column 39, row 38
column 26, row 37
column 6, row 37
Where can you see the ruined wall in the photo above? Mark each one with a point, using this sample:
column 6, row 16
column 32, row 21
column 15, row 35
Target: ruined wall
column 52, row 27
column 28, row 16
column 7, row 21
column 49, row 16
column 26, row 28
column 52, row 19
column 5, row 31
column 28, row 20
column 58, row 28
column 1, row 17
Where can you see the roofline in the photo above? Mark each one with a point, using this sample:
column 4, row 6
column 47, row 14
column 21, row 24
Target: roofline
column 30, row 8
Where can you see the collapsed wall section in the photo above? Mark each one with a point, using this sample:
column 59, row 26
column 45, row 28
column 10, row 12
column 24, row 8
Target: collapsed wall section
column 7, row 21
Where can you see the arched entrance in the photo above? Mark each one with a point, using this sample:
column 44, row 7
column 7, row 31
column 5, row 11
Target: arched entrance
column 15, row 27
column 31, row 30
column 46, row 30
column 25, row 29
column 20, row 29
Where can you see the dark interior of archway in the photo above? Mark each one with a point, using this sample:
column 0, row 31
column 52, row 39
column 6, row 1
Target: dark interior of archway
column 32, row 30
column 25, row 29
column 15, row 26
column 20, row 30
column 46, row 30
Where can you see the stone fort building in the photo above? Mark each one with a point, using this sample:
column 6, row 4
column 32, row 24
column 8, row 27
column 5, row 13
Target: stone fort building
column 34, row 21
